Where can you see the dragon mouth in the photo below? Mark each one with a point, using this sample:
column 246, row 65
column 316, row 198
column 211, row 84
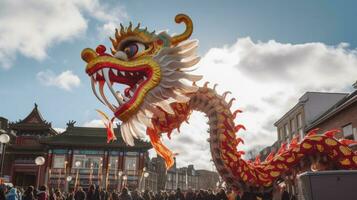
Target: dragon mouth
column 128, row 83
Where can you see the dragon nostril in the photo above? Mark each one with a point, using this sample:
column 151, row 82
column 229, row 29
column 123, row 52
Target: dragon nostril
column 101, row 49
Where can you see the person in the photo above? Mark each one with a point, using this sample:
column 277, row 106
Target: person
column 200, row 195
column 179, row 195
column 42, row 193
column 70, row 195
column 171, row 195
column 2, row 193
column 221, row 195
column 151, row 194
column 211, row 196
column 28, row 194
column 135, row 195
column 124, row 195
column 12, row 195
column 59, row 195
column 146, row 195
column 158, row 196
column 19, row 192
column 80, row 194
column 115, row 195
column 248, row 196
column 51, row 194
column 165, row 196
column 92, row 193
column 190, row 195
column 285, row 195
column 103, row 194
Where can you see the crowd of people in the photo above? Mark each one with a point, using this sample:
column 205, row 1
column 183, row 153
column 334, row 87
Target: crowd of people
column 96, row 193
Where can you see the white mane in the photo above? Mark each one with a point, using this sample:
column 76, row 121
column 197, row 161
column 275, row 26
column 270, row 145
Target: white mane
column 176, row 82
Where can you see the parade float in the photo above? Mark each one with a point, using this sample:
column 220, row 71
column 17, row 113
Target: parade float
column 157, row 93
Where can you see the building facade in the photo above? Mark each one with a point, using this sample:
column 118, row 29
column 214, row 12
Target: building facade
column 184, row 178
column 78, row 156
column 309, row 107
column 343, row 116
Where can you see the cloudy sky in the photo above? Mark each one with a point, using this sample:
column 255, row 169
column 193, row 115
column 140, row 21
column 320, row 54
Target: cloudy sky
column 266, row 54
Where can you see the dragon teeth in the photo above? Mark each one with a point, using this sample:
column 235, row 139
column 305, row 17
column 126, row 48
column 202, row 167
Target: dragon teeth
column 107, row 80
column 115, row 72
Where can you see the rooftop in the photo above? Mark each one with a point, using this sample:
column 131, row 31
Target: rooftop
column 91, row 137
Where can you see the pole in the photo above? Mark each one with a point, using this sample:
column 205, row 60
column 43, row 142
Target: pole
column 49, row 177
column 119, row 184
column 38, row 176
column 90, row 174
column 76, row 182
column 2, row 159
column 59, row 178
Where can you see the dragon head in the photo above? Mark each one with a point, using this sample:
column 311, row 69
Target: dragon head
column 144, row 73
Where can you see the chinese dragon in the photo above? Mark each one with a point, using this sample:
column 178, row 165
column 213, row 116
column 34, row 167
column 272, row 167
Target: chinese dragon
column 153, row 92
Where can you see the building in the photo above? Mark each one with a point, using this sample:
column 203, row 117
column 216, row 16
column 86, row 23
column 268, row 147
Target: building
column 79, row 155
column 325, row 111
column 309, row 107
column 207, row 179
column 173, row 178
column 342, row 115
column 184, row 178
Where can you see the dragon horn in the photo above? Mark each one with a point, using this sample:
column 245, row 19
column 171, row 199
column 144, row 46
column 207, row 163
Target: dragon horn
column 189, row 28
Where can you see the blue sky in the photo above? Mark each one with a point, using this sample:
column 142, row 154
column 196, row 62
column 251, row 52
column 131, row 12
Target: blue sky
column 30, row 66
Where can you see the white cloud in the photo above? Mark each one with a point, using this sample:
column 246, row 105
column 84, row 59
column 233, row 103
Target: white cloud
column 59, row 130
column 65, row 80
column 94, row 123
column 98, row 123
column 30, row 27
column 266, row 78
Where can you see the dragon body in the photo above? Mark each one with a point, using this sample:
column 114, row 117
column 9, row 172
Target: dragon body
column 148, row 76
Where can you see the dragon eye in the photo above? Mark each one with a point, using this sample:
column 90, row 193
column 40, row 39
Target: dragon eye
column 134, row 48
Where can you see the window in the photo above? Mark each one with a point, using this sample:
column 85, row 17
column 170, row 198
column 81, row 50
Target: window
column 347, row 131
column 113, row 161
column 300, row 126
column 130, row 164
column 87, row 161
column 58, row 161
column 280, row 134
column 287, row 132
column 292, row 125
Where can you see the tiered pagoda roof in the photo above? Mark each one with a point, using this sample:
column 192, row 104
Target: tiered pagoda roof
column 33, row 124
column 90, row 137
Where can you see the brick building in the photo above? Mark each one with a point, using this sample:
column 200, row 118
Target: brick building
column 309, row 107
column 343, row 116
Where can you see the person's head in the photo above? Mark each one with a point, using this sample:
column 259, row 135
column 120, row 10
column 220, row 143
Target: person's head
column 12, row 190
column 42, row 188
column 124, row 190
column 92, row 187
column 30, row 189
column 178, row 190
column 58, row 193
